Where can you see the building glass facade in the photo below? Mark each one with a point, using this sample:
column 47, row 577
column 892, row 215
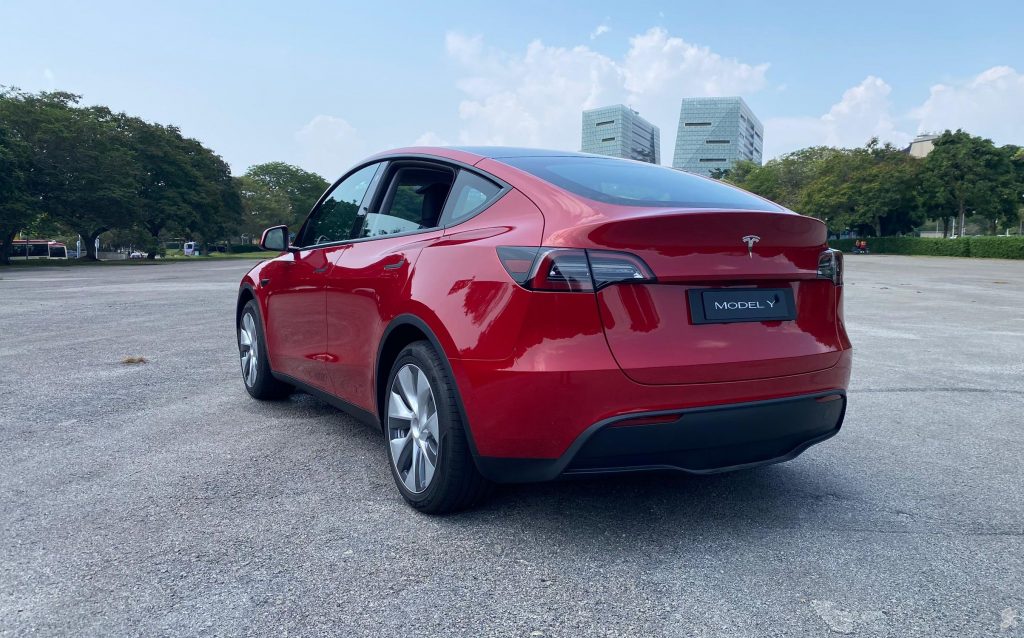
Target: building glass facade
column 716, row 132
column 619, row 131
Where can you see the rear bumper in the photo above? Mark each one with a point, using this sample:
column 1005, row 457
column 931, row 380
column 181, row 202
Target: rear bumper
column 700, row 440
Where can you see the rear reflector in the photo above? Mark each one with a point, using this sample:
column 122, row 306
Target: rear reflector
column 571, row 269
column 647, row 420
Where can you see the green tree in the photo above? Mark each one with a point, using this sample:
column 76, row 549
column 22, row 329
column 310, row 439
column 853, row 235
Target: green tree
column 263, row 207
column 81, row 169
column 168, row 180
column 218, row 203
column 783, row 179
column 278, row 193
column 965, row 174
column 16, row 206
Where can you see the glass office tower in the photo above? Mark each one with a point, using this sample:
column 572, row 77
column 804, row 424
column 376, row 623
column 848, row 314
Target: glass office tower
column 619, row 131
column 715, row 132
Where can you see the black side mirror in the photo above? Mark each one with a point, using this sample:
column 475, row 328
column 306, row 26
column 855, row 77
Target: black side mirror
column 275, row 238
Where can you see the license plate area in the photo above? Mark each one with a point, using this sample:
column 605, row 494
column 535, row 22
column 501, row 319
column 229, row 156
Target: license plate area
column 734, row 305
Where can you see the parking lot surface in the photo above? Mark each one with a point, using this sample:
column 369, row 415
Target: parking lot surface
column 159, row 499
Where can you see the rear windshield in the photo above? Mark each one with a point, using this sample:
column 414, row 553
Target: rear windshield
column 627, row 183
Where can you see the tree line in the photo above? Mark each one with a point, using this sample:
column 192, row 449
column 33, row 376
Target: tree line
column 67, row 169
column 881, row 190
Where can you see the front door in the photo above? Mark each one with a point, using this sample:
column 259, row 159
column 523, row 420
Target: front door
column 296, row 319
column 295, row 328
column 368, row 279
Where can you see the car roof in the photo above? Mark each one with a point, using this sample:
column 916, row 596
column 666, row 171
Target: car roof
column 473, row 154
column 502, row 152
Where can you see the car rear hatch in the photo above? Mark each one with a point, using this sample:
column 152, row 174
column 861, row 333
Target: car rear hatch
column 737, row 295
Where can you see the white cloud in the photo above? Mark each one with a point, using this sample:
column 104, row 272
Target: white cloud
column 659, row 63
column 534, row 98
column 864, row 111
column 430, row 138
column 660, row 70
column 989, row 105
column 329, row 145
column 599, row 31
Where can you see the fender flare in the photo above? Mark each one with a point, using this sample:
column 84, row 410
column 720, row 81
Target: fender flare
column 408, row 319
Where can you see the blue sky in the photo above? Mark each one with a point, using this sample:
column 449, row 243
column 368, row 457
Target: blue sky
column 321, row 84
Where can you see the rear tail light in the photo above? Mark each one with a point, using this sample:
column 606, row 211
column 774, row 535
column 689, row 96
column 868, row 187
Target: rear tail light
column 572, row 269
column 830, row 266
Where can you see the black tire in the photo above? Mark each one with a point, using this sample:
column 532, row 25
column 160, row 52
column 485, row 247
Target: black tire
column 263, row 386
column 456, row 483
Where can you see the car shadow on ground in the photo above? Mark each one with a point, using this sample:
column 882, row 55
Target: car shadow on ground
column 645, row 505
column 656, row 505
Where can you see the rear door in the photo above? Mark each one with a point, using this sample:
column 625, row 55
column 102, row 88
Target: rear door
column 296, row 299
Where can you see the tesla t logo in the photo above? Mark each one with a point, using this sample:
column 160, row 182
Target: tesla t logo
column 750, row 240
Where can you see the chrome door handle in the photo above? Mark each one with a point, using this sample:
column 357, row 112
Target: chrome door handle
column 395, row 265
column 322, row 270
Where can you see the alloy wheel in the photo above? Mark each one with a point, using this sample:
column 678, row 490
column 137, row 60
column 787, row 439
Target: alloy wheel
column 413, row 436
column 248, row 349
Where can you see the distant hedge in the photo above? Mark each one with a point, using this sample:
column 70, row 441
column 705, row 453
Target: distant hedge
column 994, row 247
column 244, row 248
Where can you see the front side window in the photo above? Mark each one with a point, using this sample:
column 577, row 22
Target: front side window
column 335, row 217
column 469, row 194
column 413, row 200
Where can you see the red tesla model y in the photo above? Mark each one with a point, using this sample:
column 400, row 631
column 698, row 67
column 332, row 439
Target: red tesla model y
column 506, row 314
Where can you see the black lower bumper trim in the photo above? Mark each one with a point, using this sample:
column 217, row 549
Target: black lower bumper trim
column 695, row 440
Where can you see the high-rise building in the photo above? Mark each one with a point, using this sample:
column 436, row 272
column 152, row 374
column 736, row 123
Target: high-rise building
column 716, row 132
column 619, row 131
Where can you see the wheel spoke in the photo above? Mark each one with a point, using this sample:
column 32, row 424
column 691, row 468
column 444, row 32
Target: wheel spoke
column 250, row 326
column 422, row 394
column 252, row 370
column 412, row 479
column 243, row 338
column 408, row 387
column 428, row 466
column 431, row 427
column 400, row 450
column 397, row 409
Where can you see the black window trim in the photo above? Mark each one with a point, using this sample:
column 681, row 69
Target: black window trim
column 375, row 186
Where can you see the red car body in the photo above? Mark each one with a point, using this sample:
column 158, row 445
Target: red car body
column 570, row 382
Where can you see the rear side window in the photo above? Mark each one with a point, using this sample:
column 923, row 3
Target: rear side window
column 414, row 199
column 626, row 183
column 469, row 194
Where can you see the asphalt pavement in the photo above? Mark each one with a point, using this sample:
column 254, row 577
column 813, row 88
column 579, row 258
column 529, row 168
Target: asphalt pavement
column 159, row 499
